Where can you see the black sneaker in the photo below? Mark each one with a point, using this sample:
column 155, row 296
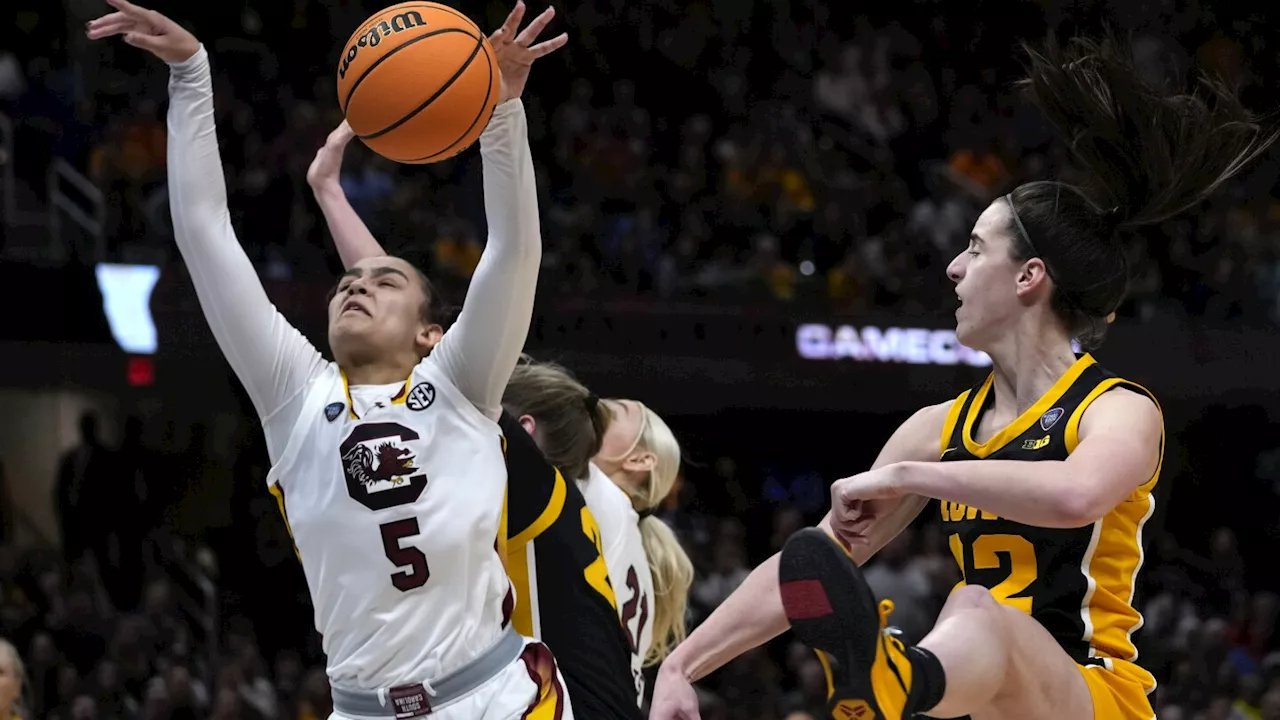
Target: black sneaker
column 833, row 611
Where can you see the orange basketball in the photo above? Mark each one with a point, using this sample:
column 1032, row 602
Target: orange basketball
column 418, row 82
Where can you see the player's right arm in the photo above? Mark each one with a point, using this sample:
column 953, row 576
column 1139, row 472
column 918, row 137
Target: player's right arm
column 271, row 358
column 350, row 234
column 753, row 614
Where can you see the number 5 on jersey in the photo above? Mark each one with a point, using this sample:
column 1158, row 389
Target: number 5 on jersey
column 415, row 572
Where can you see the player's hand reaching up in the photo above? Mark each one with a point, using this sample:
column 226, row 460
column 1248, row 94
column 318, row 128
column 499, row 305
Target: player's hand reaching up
column 325, row 169
column 146, row 29
column 516, row 52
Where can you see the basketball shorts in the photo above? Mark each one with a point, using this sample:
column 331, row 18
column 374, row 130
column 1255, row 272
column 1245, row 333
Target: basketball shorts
column 1118, row 693
column 528, row 687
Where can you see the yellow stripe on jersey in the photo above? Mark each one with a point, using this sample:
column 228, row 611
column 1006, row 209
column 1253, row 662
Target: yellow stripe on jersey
column 500, row 544
column 549, row 515
column 1111, row 565
column 949, row 426
column 597, row 573
column 398, row 399
column 403, row 396
column 1024, row 421
column 518, row 572
column 278, row 493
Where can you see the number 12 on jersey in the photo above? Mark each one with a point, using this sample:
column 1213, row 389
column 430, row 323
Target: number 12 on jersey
column 993, row 552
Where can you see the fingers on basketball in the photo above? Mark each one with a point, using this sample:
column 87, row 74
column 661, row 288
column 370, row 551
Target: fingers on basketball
column 341, row 135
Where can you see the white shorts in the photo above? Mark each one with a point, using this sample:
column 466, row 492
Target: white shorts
column 530, row 688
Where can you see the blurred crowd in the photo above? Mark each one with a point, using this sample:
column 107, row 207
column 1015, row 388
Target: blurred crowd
column 812, row 154
column 754, row 150
column 111, row 626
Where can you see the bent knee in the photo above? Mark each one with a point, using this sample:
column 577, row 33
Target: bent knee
column 971, row 597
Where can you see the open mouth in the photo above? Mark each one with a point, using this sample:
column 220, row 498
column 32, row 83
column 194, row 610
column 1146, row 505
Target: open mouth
column 353, row 306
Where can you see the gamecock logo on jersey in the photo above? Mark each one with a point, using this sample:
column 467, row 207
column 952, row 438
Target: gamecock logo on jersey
column 393, row 464
column 379, row 468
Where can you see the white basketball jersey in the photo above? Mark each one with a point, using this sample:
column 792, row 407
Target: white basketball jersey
column 394, row 495
column 628, row 564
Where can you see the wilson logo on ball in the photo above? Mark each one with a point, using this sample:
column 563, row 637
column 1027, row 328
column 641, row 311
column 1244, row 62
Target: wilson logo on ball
column 397, row 24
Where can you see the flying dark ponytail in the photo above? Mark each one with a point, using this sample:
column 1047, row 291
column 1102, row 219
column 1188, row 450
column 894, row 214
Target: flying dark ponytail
column 1147, row 155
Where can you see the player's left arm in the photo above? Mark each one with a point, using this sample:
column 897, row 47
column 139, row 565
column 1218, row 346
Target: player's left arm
column 482, row 348
column 1119, row 450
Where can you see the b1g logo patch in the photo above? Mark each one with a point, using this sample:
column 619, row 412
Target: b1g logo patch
column 421, row 396
column 853, row 710
column 1051, row 418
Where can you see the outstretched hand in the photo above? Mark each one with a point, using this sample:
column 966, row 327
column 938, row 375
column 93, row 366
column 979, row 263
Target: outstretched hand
column 673, row 698
column 516, row 52
column 146, row 29
column 327, row 165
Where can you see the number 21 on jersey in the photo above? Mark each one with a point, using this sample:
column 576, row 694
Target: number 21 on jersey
column 992, row 552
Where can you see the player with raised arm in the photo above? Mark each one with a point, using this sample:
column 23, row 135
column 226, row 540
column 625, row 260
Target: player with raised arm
column 388, row 462
column 1045, row 472
column 649, row 574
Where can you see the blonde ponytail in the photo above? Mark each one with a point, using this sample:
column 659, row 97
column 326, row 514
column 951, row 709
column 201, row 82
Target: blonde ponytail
column 672, row 572
column 669, row 564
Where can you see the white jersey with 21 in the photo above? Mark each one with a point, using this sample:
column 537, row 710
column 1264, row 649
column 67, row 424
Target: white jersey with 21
column 627, row 562
column 394, row 495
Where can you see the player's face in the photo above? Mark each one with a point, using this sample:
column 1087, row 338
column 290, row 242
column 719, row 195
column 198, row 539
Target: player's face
column 623, row 434
column 378, row 309
column 986, row 277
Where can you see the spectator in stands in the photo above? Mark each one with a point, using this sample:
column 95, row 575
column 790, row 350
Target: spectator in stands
column 13, row 683
column 81, row 469
column 895, row 576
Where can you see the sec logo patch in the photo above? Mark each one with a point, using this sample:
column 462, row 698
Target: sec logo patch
column 421, row 396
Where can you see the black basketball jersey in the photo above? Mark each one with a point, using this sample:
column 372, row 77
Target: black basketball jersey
column 1078, row 583
column 563, row 595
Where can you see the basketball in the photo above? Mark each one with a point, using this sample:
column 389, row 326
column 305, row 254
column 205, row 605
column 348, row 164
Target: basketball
column 418, row 82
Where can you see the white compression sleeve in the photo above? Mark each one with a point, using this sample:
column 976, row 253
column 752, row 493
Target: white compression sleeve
column 482, row 348
column 272, row 359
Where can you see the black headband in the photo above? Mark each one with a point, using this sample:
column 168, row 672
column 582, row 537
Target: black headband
column 1026, row 238
column 1113, row 215
column 647, row 512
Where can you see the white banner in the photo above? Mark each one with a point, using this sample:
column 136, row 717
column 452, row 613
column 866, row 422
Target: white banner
column 917, row 346
column 126, row 301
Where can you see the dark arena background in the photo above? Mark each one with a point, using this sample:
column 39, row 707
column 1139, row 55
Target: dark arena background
column 747, row 208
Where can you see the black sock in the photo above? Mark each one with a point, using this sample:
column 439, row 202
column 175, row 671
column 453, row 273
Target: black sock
column 928, row 681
